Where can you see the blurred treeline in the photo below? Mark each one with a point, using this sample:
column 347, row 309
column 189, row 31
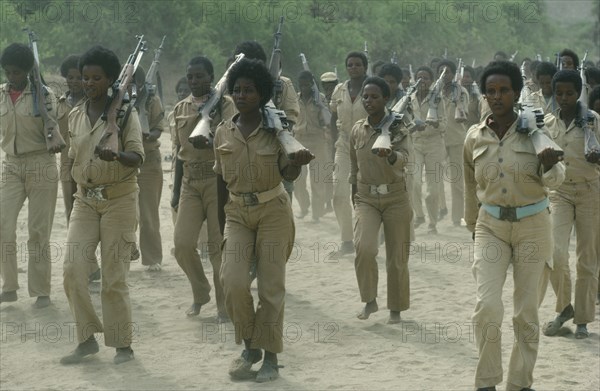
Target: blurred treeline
column 325, row 31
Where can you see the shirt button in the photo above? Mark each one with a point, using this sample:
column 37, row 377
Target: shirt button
column 501, row 143
column 500, row 160
column 501, row 175
column 89, row 180
column 504, row 191
column 567, row 163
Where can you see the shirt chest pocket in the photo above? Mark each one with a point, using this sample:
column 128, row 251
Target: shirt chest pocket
column 526, row 164
column 227, row 161
column 184, row 126
column 266, row 164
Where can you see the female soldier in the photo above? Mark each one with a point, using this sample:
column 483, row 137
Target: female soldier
column 29, row 172
column 507, row 180
column 346, row 109
column 104, row 211
column 256, row 216
column 198, row 200
column 574, row 203
column 379, row 194
column 70, row 99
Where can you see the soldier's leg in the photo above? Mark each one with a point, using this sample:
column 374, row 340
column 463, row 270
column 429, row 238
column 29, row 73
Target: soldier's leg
column 150, row 181
column 301, row 192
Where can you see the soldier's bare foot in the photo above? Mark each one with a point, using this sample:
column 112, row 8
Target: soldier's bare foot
column 194, row 310
column 5, row 297
column 370, row 307
column 42, row 302
column 394, row 317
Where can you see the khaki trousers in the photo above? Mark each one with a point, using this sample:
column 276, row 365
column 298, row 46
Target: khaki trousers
column 576, row 204
column 150, row 181
column 527, row 246
column 318, row 176
column 453, row 173
column 394, row 211
column 34, row 177
column 342, row 205
column 112, row 223
column 68, row 184
column 198, row 204
column 429, row 155
column 268, row 231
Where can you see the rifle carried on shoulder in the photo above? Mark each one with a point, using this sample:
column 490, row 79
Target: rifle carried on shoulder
column 54, row 141
column 460, row 97
column 148, row 90
column 585, row 119
column 434, row 98
column 274, row 119
column 324, row 113
column 120, row 96
column 384, row 140
column 531, row 121
column 202, row 137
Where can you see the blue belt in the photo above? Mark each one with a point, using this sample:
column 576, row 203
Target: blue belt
column 517, row 213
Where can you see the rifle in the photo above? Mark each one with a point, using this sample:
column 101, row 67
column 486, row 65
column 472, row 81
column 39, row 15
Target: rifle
column 384, row 140
column 531, row 120
column 538, row 57
column 275, row 120
column 460, row 113
column 54, row 141
column 202, row 137
column 394, row 59
column 512, row 57
column 369, row 67
column 120, row 96
column 324, row 114
column 148, row 90
column 335, row 71
column 433, row 97
column 585, row 119
column 412, row 74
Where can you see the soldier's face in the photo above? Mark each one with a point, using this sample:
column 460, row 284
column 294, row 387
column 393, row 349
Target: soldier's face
column 449, row 74
column 405, row 81
column 500, row 94
column 596, row 105
column 373, row 100
column 545, row 83
column 392, row 83
column 467, row 80
column 425, row 80
column 566, row 95
column 183, row 90
column 305, row 87
column 328, row 87
column 74, row 81
column 199, row 80
column 355, row 67
column 17, row 77
column 245, row 95
column 567, row 62
column 95, row 82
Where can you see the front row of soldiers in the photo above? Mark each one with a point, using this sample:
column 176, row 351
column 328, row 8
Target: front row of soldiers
column 246, row 215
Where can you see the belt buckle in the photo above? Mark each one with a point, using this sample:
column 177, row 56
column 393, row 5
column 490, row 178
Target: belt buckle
column 95, row 193
column 508, row 214
column 250, row 199
column 382, row 189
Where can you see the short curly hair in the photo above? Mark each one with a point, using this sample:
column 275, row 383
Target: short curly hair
column 205, row 63
column 449, row 64
column 69, row 63
column 379, row 82
column 18, row 55
column 392, row 70
column 256, row 71
column 104, row 58
column 545, row 68
column 572, row 54
column 505, row 68
column 425, row 68
column 360, row 55
column 594, row 96
column 251, row 50
column 568, row 76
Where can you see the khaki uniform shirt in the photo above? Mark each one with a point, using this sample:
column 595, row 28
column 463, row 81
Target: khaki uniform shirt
column 156, row 120
column 348, row 112
column 503, row 172
column 455, row 131
column 571, row 139
column 89, row 170
column 252, row 165
column 420, row 110
column 308, row 128
column 63, row 108
column 370, row 169
column 186, row 118
column 288, row 100
column 548, row 105
column 20, row 131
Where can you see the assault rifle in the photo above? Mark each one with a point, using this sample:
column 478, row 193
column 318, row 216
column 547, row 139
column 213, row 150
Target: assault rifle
column 433, row 98
column 585, row 119
column 120, row 96
column 54, row 141
column 324, row 114
column 148, row 90
column 274, row 119
column 369, row 67
column 460, row 113
column 202, row 137
column 404, row 104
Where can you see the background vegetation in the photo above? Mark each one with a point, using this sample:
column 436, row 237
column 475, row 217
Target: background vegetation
column 324, row 30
